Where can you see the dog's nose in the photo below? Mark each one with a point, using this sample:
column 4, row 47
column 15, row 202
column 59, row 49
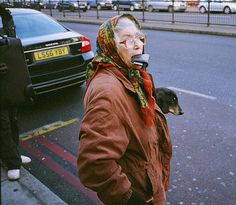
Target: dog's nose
column 181, row 113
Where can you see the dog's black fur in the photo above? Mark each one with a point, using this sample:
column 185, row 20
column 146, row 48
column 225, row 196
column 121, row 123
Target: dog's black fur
column 167, row 100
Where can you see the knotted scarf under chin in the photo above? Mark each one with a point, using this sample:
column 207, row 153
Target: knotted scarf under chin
column 143, row 87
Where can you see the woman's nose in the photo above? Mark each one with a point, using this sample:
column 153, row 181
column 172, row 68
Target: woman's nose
column 137, row 44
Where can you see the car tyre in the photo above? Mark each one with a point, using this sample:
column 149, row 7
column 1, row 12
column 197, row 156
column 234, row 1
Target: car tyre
column 150, row 8
column 59, row 9
column 72, row 9
column 170, row 9
column 99, row 7
column 131, row 8
column 227, row 10
column 115, row 7
column 202, row 10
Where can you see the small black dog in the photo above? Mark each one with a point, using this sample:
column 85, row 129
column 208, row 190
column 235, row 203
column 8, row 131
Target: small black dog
column 167, row 100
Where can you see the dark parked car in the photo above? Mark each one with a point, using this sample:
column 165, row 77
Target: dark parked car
column 34, row 4
column 56, row 56
column 6, row 3
column 127, row 4
column 50, row 4
column 72, row 5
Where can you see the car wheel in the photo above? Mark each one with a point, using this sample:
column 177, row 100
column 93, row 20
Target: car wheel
column 72, row 9
column 59, row 9
column 202, row 10
column 131, row 8
column 227, row 10
column 150, row 8
column 115, row 7
column 170, row 9
column 99, row 7
column 85, row 9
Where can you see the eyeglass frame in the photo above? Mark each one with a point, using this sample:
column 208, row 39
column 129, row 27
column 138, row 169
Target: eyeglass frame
column 133, row 39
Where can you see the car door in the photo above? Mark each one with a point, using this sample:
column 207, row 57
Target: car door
column 162, row 4
column 216, row 5
column 155, row 4
column 127, row 3
column 220, row 5
column 66, row 4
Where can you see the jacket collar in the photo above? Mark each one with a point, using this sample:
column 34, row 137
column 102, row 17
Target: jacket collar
column 127, row 84
column 120, row 76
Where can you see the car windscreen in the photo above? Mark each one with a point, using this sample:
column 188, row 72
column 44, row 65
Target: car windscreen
column 34, row 25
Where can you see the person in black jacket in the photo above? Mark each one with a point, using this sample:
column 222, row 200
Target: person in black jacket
column 9, row 132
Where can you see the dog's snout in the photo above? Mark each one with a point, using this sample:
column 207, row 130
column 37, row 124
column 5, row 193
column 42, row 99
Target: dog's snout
column 181, row 112
column 176, row 110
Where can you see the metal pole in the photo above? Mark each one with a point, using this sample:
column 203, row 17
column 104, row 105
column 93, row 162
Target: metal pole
column 64, row 14
column 173, row 16
column 50, row 7
column 208, row 14
column 118, row 7
column 143, row 5
column 79, row 9
column 97, row 9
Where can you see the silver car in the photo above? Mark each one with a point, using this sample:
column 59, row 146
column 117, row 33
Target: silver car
column 226, row 7
column 166, row 5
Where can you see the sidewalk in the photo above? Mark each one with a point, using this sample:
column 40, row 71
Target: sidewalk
column 30, row 191
column 26, row 191
column 220, row 30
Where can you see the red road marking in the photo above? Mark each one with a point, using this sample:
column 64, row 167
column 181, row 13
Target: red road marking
column 54, row 166
column 57, row 150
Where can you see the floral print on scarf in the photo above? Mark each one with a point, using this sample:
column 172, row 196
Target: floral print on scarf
column 107, row 56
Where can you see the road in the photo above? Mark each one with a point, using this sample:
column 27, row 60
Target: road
column 201, row 69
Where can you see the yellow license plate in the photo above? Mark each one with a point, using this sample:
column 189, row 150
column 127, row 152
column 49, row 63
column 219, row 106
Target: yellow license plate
column 51, row 53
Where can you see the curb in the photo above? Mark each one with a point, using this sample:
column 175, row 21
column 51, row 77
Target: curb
column 212, row 30
column 27, row 190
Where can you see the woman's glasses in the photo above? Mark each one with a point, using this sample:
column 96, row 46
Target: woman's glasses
column 130, row 41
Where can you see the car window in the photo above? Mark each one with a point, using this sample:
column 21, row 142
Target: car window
column 33, row 25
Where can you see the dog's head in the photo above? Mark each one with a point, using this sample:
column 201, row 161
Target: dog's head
column 167, row 100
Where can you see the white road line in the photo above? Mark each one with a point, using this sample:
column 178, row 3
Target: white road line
column 193, row 93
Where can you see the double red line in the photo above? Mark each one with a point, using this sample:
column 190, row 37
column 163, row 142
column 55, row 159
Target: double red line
column 55, row 167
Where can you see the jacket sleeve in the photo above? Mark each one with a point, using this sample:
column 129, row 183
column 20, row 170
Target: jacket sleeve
column 103, row 140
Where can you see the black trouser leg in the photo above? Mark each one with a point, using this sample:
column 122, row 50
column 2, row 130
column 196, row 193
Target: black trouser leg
column 9, row 139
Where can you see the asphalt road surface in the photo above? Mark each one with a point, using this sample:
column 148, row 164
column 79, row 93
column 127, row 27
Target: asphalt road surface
column 201, row 69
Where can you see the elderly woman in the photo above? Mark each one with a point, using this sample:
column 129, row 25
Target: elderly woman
column 125, row 146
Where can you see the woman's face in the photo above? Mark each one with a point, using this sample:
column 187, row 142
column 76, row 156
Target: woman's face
column 129, row 44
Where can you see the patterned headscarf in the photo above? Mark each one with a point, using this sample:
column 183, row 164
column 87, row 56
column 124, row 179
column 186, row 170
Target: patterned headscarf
column 107, row 56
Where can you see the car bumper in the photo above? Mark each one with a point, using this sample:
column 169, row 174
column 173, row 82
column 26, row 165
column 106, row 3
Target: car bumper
column 65, row 72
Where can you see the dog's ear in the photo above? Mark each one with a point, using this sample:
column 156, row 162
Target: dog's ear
column 161, row 102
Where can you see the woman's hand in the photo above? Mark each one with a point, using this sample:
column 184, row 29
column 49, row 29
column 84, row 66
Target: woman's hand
column 136, row 199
